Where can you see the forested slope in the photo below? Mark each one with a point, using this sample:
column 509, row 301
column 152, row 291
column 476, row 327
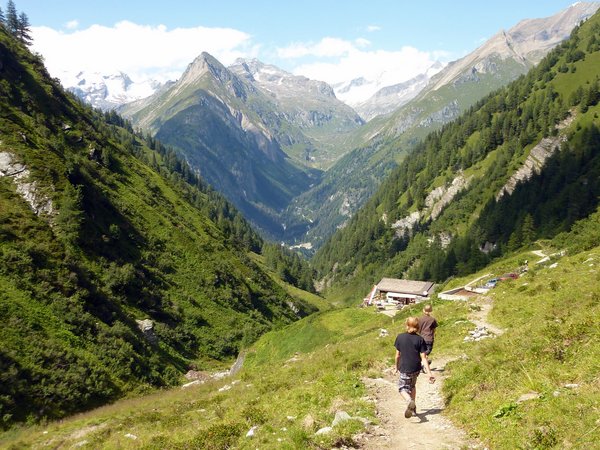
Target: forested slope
column 522, row 164
column 119, row 268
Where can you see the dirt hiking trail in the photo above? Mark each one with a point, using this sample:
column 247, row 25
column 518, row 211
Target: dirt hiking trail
column 428, row 429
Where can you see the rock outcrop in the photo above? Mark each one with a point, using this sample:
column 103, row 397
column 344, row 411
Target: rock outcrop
column 435, row 202
column 31, row 191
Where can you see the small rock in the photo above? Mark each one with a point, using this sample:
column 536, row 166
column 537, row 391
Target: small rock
column 131, row 436
column 324, row 430
column 556, row 393
column 251, row 431
column 528, row 396
column 146, row 326
column 571, row 386
column 308, row 422
column 340, row 416
column 220, row 375
column 225, row 388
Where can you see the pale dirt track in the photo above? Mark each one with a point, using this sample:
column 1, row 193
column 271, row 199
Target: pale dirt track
column 429, row 429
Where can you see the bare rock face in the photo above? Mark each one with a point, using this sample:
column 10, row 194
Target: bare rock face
column 533, row 165
column 440, row 197
column 435, row 202
column 405, row 224
column 536, row 160
column 446, row 114
column 29, row 190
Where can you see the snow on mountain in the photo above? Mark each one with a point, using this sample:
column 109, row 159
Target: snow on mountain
column 280, row 83
column 108, row 91
column 366, row 96
column 389, row 98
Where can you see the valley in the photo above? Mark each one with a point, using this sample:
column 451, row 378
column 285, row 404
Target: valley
column 295, row 160
column 189, row 269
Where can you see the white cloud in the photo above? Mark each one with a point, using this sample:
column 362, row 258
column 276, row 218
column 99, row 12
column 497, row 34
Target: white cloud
column 362, row 42
column 72, row 24
column 156, row 52
column 340, row 60
column 373, row 28
column 138, row 50
column 326, row 47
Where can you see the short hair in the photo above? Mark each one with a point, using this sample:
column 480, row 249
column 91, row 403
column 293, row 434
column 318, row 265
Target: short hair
column 427, row 308
column 412, row 325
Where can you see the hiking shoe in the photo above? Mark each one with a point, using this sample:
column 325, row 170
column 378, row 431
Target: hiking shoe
column 410, row 409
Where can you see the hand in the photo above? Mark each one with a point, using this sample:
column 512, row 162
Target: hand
column 431, row 379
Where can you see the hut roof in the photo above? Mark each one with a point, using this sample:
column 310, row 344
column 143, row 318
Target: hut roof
column 405, row 286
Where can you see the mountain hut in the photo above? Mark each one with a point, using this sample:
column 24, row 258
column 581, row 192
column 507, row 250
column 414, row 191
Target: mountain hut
column 403, row 292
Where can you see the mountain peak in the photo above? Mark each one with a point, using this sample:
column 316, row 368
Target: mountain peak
column 527, row 42
column 277, row 80
column 203, row 64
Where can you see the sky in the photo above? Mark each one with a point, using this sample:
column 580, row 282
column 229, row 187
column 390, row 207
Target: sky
column 332, row 41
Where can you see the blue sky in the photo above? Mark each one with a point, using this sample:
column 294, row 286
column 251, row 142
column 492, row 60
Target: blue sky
column 320, row 39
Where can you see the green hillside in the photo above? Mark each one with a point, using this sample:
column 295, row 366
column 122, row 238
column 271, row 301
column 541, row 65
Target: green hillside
column 471, row 162
column 101, row 230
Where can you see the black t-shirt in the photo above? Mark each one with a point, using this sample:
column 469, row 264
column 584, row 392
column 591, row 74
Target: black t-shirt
column 410, row 347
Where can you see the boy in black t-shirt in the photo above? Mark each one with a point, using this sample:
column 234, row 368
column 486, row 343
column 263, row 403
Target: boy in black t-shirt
column 410, row 355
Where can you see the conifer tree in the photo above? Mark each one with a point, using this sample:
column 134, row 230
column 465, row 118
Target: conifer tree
column 23, row 30
column 528, row 230
column 12, row 19
column 70, row 217
column 2, row 19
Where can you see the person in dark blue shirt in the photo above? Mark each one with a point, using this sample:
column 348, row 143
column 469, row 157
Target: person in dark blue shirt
column 410, row 357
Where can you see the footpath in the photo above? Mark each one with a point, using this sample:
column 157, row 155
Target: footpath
column 429, row 428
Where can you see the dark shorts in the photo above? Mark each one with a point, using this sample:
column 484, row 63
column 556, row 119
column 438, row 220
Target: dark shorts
column 428, row 347
column 407, row 381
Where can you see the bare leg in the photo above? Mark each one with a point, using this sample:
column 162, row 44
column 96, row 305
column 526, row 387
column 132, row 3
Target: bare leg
column 406, row 396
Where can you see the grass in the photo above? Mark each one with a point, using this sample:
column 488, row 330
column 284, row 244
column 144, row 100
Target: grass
column 551, row 316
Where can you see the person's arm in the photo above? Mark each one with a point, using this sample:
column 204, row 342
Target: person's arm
column 428, row 369
column 397, row 360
